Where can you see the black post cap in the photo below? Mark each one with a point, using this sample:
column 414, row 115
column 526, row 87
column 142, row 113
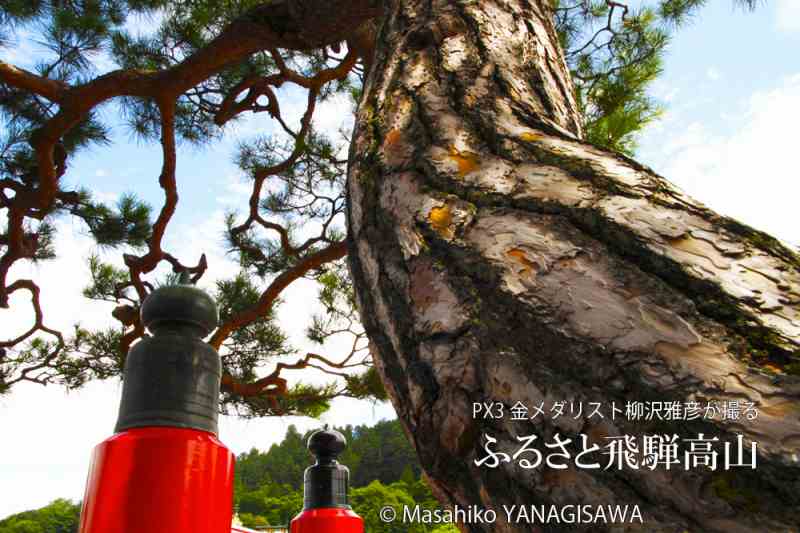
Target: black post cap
column 172, row 378
column 180, row 304
column 327, row 481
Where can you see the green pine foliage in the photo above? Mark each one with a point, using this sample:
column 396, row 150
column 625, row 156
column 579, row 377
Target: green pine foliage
column 614, row 53
column 75, row 34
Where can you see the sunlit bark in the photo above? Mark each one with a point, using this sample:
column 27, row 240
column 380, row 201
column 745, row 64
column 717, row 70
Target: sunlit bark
column 497, row 257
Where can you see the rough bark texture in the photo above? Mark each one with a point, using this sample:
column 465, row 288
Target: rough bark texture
column 497, row 257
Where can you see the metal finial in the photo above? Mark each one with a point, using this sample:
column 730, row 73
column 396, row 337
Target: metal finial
column 326, row 482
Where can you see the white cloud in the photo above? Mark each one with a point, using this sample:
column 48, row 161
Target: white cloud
column 61, row 282
column 664, row 91
column 49, row 433
column 144, row 23
column 234, row 191
column 670, row 96
column 329, row 116
column 23, row 51
column 713, row 74
column 787, row 15
column 749, row 172
column 248, row 125
column 334, row 113
column 48, row 439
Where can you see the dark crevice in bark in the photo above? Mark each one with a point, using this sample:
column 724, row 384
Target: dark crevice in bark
column 397, row 369
column 511, row 329
column 710, row 299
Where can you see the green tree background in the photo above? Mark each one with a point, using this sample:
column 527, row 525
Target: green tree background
column 60, row 516
column 268, row 488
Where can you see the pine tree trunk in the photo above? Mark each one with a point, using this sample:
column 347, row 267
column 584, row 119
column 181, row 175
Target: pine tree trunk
column 498, row 258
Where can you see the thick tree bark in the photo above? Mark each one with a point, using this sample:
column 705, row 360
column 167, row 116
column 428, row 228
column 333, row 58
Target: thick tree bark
column 498, row 258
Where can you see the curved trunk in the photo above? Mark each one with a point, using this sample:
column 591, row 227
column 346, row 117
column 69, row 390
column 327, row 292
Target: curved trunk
column 498, row 258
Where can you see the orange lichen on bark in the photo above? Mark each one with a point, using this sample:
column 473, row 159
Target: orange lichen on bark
column 396, row 150
column 530, row 136
column 519, row 256
column 466, row 161
column 392, row 137
column 440, row 218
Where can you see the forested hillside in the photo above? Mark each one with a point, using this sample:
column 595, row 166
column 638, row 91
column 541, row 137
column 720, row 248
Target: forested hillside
column 60, row 516
column 383, row 471
column 268, row 487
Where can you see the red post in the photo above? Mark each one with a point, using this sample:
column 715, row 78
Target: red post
column 159, row 480
column 325, row 508
column 327, row 521
column 164, row 471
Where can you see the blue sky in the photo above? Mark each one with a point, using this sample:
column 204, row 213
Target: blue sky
column 732, row 92
column 732, row 89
